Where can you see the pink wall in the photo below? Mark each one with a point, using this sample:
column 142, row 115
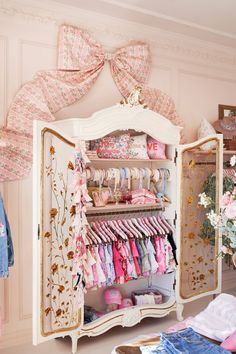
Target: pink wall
column 197, row 74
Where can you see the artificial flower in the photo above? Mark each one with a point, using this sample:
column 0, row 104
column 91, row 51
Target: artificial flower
column 204, row 200
column 233, row 161
column 226, row 250
column 230, row 211
column 215, row 219
column 226, row 200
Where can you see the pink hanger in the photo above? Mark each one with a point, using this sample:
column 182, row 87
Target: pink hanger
column 116, row 228
column 168, row 224
column 102, row 231
column 159, row 219
column 135, row 230
column 146, row 227
column 125, row 229
column 107, row 229
column 96, row 229
column 151, row 227
column 156, row 225
column 140, row 227
column 147, row 222
column 93, row 236
column 129, row 227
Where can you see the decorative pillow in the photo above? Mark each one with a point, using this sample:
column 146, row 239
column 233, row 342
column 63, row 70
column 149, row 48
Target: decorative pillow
column 114, row 147
column 155, row 149
column 138, row 147
column 230, row 342
column 205, row 129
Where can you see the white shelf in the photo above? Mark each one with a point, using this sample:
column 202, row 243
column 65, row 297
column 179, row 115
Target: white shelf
column 157, row 310
column 110, row 208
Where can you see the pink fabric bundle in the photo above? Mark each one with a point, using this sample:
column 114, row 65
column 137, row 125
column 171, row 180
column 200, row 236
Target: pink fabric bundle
column 141, row 196
column 80, row 62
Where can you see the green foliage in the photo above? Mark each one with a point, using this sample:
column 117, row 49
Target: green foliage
column 209, row 187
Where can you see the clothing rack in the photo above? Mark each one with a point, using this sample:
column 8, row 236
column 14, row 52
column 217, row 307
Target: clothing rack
column 138, row 211
column 125, row 212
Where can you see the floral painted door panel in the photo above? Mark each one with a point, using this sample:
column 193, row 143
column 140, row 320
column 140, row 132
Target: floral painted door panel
column 199, row 244
column 60, row 297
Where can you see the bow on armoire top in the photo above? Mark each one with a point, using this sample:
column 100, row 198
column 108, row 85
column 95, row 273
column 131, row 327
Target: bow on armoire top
column 80, row 61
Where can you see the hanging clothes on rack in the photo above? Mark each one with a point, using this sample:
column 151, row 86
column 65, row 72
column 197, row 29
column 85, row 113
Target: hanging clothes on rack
column 117, row 255
column 6, row 245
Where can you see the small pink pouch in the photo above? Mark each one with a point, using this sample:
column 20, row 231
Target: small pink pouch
column 230, row 343
column 155, row 149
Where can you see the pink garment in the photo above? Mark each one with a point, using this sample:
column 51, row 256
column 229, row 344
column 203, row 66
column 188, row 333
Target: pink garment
column 117, row 264
column 120, row 246
column 128, row 266
column 94, row 268
column 135, row 255
column 80, row 61
column 142, row 193
column 160, row 255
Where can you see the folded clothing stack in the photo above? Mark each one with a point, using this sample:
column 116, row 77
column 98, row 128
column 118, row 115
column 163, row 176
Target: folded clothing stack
column 140, row 196
column 186, row 341
column 218, row 320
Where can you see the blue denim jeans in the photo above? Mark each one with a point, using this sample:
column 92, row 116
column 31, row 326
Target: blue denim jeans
column 153, row 349
column 6, row 245
column 189, row 342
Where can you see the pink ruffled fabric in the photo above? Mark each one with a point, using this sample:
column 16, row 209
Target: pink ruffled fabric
column 80, row 61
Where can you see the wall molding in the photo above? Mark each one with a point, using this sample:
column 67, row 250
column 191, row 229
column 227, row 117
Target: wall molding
column 16, row 338
column 36, row 44
column 4, row 40
column 169, row 43
column 22, row 316
column 229, row 279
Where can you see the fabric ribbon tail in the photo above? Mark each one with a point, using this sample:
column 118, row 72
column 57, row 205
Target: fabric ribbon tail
column 16, row 148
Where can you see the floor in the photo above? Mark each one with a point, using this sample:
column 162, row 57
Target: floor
column 104, row 344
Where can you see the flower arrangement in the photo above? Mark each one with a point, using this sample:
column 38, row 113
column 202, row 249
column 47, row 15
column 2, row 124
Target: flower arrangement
column 225, row 221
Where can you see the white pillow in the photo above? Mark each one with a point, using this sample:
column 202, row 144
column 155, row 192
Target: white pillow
column 138, row 147
column 205, row 129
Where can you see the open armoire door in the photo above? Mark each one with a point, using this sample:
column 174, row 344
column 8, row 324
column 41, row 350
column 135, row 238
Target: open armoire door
column 199, row 171
column 57, row 303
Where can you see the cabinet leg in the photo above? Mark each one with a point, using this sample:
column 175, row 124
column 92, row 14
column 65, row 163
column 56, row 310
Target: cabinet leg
column 179, row 311
column 74, row 340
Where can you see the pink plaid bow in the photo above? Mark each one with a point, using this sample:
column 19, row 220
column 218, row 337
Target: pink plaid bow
column 80, row 61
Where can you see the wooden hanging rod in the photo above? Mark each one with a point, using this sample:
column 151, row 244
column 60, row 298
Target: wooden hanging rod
column 120, row 212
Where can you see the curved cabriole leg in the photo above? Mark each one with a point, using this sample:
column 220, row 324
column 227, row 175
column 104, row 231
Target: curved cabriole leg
column 179, row 311
column 74, row 340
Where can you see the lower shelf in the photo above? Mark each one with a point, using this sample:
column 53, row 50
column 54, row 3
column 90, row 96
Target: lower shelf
column 127, row 317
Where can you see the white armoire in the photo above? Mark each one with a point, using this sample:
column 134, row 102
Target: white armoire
column 199, row 269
